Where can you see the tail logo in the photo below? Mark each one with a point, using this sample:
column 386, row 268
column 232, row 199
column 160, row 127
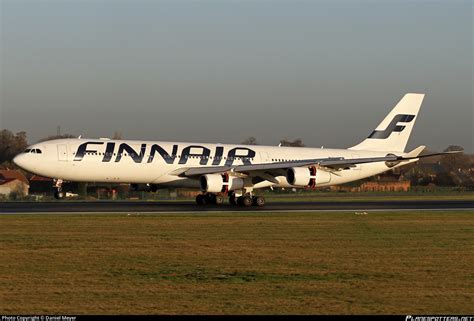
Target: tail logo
column 393, row 126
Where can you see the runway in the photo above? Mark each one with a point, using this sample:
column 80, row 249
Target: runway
column 176, row 207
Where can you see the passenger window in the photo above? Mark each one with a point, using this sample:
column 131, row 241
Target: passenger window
column 38, row 151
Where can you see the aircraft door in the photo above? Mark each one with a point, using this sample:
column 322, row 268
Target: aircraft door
column 264, row 157
column 62, row 153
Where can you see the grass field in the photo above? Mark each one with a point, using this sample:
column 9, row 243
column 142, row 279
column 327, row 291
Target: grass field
column 368, row 196
column 303, row 263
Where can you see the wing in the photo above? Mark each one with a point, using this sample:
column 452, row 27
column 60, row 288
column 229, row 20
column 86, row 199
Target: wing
column 332, row 164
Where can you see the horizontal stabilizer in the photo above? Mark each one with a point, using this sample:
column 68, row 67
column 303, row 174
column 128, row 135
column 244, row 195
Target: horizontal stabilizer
column 417, row 151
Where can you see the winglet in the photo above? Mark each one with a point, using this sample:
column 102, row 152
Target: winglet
column 417, row 151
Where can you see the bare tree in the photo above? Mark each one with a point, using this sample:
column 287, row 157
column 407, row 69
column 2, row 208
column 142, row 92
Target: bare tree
column 454, row 162
column 117, row 135
column 51, row 137
column 454, row 148
column 250, row 141
column 296, row 143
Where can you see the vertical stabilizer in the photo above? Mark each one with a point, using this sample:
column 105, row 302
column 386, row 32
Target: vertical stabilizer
column 393, row 132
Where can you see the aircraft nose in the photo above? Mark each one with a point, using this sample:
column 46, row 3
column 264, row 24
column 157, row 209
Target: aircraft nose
column 19, row 160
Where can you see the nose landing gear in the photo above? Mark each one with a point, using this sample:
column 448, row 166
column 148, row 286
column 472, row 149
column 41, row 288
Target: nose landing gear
column 58, row 189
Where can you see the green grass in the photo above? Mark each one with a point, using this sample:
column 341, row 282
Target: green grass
column 368, row 196
column 303, row 263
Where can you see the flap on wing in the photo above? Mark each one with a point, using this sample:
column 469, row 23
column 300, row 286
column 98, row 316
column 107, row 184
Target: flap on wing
column 197, row 171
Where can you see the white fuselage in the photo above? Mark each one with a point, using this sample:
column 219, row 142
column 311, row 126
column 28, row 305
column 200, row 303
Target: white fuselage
column 149, row 162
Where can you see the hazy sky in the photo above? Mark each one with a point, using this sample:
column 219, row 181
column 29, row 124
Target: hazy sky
column 219, row 71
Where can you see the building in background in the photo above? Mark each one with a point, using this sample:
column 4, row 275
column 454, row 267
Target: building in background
column 40, row 185
column 13, row 182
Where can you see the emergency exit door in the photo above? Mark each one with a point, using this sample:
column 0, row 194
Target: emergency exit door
column 264, row 157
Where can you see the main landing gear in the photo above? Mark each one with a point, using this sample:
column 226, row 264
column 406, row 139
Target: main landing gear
column 209, row 198
column 245, row 200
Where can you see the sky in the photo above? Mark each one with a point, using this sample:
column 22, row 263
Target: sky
column 220, row 71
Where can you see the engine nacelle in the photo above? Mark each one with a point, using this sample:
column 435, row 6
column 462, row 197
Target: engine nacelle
column 143, row 187
column 220, row 183
column 307, row 176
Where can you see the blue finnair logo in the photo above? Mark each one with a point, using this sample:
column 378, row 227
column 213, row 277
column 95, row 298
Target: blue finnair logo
column 393, row 126
column 143, row 153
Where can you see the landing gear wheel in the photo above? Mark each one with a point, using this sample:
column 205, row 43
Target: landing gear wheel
column 58, row 195
column 201, row 199
column 219, row 200
column 233, row 200
column 210, row 198
column 258, row 201
column 245, row 200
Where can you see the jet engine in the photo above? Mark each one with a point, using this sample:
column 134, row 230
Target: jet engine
column 307, row 176
column 220, row 183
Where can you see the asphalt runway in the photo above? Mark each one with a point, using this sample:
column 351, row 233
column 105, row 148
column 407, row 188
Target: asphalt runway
column 169, row 206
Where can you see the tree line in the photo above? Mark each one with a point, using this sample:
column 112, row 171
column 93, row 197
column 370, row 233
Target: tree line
column 283, row 142
column 454, row 169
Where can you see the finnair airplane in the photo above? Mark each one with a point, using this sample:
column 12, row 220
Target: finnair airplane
column 221, row 170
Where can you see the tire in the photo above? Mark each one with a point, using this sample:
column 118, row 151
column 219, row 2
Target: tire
column 233, row 200
column 258, row 201
column 201, row 199
column 210, row 198
column 219, row 200
column 246, row 201
column 58, row 195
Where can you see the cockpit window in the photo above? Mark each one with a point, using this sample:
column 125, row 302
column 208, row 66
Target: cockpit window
column 33, row 151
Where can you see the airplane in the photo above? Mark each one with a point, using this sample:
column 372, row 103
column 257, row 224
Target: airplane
column 226, row 170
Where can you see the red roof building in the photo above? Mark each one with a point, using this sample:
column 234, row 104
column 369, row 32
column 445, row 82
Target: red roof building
column 12, row 181
column 6, row 174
